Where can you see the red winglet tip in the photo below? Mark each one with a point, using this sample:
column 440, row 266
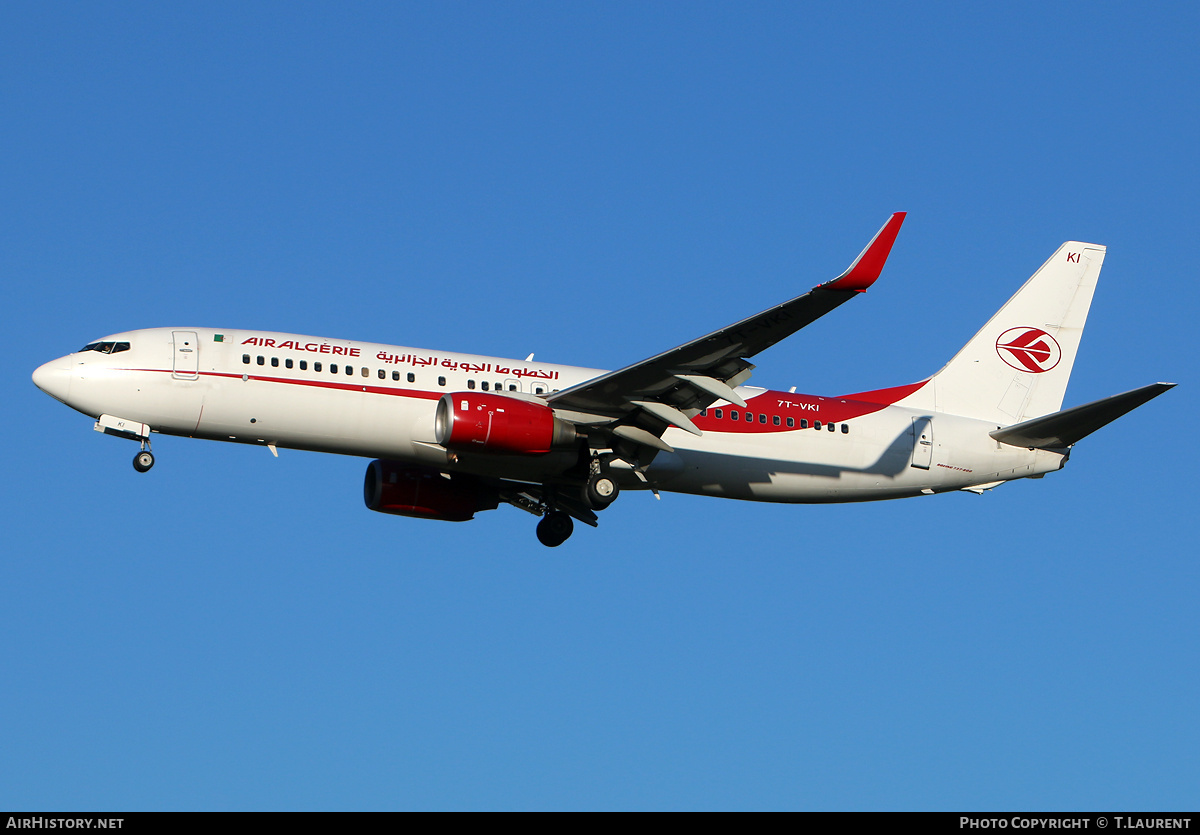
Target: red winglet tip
column 869, row 264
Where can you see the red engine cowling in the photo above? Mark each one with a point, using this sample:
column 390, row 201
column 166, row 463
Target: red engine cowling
column 480, row 422
column 413, row 490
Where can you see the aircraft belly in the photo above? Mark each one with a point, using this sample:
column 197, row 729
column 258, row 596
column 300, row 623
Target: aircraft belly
column 532, row 468
column 800, row 466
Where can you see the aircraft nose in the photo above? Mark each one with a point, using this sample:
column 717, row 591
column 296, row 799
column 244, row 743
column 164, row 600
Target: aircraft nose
column 54, row 378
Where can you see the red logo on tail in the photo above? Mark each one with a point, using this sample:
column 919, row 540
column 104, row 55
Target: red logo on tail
column 1028, row 349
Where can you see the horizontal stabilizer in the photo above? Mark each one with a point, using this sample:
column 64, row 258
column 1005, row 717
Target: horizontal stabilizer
column 1064, row 428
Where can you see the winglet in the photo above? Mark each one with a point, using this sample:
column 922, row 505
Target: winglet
column 869, row 264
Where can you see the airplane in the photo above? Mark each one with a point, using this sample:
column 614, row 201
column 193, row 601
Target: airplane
column 455, row 434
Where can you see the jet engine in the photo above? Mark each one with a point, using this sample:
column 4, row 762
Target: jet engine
column 424, row 492
column 469, row 421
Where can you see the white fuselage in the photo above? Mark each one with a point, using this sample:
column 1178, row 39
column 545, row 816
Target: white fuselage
column 379, row 401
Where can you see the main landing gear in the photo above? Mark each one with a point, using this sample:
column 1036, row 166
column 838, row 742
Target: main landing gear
column 600, row 491
column 555, row 528
column 144, row 460
column 575, row 498
column 601, row 488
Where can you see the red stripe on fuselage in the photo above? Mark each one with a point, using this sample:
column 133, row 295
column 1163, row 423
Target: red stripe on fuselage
column 358, row 387
column 885, row 397
column 784, row 405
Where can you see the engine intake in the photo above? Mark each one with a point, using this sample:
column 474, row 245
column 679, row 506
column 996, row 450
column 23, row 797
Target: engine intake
column 470, row 421
column 413, row 490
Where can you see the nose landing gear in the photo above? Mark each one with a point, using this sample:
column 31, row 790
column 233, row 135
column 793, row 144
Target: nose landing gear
column 144, row 460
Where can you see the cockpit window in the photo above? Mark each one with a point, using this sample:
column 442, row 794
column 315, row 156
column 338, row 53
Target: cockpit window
column 106, row 347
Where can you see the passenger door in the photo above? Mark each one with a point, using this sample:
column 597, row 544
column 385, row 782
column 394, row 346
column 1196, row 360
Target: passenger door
column 187, row 356
column 922, row 454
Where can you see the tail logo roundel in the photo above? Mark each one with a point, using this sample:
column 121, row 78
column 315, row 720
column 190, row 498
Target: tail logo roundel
column 1028, row 349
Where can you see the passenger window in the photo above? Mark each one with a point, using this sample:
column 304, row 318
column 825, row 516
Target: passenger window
column 316, row 366
column 274, row 362
column 816, row 424
column 762, row 418
column 775, row 419
column 734, row 415
column 412, row 378
column 262, row 361
column 246, row 359
column 538, row 389
column 288, row 362
column 791, row 422
column 350, row 370
column 832, row 427
column 396, row 376
column 485, row 385
column 750, row 416
column 304, row 365
column 382, row 374
column 512, row 386
column 718, row 413
column 845, row 429
column 333, row 368
column 704, row 413
column 470, row 384
column 441, row 381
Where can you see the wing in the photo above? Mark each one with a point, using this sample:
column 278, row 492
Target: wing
column 637, row 403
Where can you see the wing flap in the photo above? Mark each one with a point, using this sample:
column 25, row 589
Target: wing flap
column 717, row 388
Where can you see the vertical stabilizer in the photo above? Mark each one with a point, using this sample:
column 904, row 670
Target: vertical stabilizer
column 1018, row 365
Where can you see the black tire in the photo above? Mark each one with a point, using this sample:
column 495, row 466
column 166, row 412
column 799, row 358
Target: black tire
column 554, row 529
column 143, row 461
column 600, row 491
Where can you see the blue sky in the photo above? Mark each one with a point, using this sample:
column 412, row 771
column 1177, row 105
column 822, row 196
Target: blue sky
column 596, row 183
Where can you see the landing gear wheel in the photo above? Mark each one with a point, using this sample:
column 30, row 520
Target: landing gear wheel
column 554, row 529
column 143, row 461
column 600, row 491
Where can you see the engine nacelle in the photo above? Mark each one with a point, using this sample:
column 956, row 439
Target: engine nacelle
column 414, row 490
column 471, row 421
